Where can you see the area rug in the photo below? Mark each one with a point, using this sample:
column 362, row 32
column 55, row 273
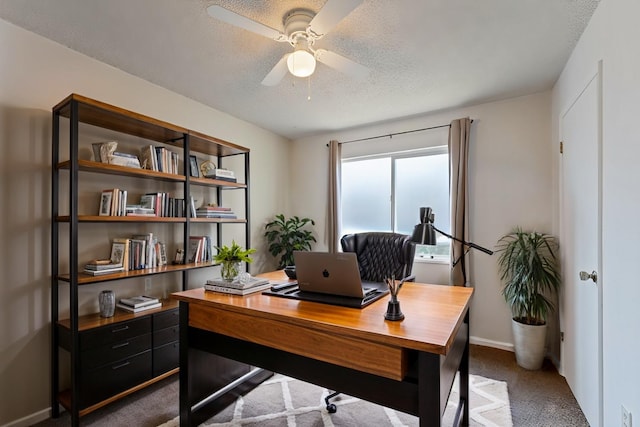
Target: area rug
column 284, row 401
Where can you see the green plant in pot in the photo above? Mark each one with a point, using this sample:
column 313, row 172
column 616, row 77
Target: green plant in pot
column 231, row 259
column 529, row 272
column 285, row 235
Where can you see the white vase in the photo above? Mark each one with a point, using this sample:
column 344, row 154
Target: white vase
column 529, row 342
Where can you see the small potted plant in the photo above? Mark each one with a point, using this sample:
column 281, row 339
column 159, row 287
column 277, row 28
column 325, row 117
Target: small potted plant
column 287, row 235
column 231, row 259
column 530, row 274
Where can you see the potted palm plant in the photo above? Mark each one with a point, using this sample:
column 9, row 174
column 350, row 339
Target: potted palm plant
column 231, row 259
column 530, row 275
column 285, row 235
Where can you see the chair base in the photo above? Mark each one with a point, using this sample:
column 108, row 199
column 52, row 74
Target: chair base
column 331, row 408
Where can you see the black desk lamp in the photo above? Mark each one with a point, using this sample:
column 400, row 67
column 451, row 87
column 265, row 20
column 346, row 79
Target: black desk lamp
column 425, row 233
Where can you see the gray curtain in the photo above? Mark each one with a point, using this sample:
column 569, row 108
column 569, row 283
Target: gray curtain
column 333, row 215
column 458, row 152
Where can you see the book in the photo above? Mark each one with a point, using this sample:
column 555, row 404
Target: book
column 139, row 301
column 122, row 159
column 236, row 284
column 195, row 249
column 235, row 291
column 138, row 309
column 100, row 272
column 99, row 267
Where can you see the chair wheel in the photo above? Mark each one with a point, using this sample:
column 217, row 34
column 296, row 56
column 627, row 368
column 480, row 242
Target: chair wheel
column 331, row 408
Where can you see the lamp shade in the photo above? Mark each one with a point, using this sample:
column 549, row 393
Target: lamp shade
column 301, row 63
column 424, row 234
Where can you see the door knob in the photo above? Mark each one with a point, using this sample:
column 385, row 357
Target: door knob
column 586, row 276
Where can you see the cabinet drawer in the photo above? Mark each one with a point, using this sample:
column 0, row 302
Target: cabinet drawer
column 114, row 333
column 114, row 378
column 166, row 358
column 166, row 319
column 99, row 356
column 166, row 335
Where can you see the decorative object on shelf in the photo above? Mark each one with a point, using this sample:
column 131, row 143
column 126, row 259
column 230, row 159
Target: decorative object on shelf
column 287, row 235
column 107, row 302
column 393, row 307
column 208, row 169
column 107, row 149
column 179, row 258
column 231, row 259
column 530, row 274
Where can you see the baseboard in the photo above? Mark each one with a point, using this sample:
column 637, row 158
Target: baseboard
column 493, row 344
column 30, row 420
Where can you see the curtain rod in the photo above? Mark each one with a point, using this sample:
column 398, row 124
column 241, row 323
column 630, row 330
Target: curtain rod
column 391, row 135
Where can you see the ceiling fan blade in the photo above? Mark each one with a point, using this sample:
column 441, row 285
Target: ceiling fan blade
column 332, row 12
column 233, row 18
column 277, row 73
column 342, row 64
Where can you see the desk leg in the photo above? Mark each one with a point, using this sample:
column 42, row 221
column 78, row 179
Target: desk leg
column 185, row 402
column 429, row 390
column 464, row 378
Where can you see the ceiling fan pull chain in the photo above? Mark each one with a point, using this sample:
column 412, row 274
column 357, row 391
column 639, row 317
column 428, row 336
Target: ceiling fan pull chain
column 309, row 89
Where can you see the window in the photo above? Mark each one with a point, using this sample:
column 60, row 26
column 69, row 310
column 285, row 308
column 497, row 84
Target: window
column 384, row 192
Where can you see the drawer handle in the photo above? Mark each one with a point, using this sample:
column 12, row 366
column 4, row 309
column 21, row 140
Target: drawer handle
column 124, row 344
column 120, row 329
column 122, row 365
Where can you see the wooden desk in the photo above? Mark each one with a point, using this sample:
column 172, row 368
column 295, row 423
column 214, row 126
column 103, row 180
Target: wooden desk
column 408, row 365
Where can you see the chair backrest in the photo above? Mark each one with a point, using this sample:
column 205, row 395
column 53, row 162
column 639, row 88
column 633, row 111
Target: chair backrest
column 381, row 253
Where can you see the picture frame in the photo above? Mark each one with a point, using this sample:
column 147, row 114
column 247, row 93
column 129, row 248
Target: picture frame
column 193, row 167
column 117, row 253
column 105, row 203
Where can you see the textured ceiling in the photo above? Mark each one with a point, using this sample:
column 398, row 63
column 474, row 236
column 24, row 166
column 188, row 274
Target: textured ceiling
column 424, row 55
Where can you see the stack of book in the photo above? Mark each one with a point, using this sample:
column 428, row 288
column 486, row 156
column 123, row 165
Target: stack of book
column 223, row 175
column 139, row 303
column 200, row 249
column 102, row 266
column 159, row 159
column 215, row 212
column 236, row 287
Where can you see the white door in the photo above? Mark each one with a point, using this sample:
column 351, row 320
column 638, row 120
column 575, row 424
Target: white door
column 581, row 315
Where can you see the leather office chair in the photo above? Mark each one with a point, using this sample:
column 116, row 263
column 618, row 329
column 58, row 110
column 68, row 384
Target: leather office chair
column 379, row 254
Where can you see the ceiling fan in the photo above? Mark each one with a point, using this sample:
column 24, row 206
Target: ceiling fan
column 302, row 28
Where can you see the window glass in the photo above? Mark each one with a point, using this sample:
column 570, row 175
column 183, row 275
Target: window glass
column 386, row 192
column 366, row 195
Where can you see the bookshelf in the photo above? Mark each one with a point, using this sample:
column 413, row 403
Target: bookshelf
column 112, row 357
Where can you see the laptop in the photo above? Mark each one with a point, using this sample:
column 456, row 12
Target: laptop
column 331, row 278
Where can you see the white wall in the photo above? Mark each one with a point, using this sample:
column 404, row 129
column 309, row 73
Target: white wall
column 510, row 184
column 35, row 74
column 612, row 36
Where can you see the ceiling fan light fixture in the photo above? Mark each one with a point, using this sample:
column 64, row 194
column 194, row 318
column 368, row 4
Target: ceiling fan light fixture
column 301, row 63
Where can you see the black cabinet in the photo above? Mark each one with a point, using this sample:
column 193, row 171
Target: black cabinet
column 166, row 348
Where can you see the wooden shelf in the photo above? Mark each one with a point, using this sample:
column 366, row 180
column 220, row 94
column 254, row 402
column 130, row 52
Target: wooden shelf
column 107, row 116
column 87, row 279
column 130, row 218
column 106, row 168
column 65, row 396
column 94, row 320
column 217, row 183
